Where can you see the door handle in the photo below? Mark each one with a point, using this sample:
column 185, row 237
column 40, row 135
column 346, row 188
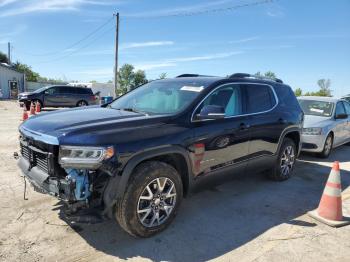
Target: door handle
column 244, row 126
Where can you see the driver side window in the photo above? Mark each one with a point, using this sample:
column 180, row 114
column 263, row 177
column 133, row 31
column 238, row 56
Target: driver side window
column 51, row 91
column 228, row 97
column 340, row 110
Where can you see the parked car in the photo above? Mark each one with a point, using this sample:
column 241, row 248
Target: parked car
column 326, row 124
column 136, row 157
column 59, row 96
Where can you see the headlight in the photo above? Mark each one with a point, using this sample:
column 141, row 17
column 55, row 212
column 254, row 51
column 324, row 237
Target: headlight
column 313, row 131
column 84, row 156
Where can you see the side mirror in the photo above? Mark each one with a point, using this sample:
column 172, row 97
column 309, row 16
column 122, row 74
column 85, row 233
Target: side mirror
column 341, row 116
column 211, row 112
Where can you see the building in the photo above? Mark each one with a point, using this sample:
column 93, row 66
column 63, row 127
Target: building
column 12, row 82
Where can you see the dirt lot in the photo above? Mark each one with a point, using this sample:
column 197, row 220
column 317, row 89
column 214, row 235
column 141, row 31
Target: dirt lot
column 248, row 219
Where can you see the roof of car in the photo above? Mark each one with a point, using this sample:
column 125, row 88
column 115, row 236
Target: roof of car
column 205, row 81
column 320, row 98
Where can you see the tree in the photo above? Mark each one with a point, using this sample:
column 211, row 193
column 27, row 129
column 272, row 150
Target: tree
column 27, row 70
column 139, row 79
column 268, row 74
column 298, row 92
column 324, row 87
column 3, row 58
column 162, row 76
column 128, row 79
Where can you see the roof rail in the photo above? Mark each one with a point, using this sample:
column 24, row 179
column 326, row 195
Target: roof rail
column 244, row 75
column 192, row 75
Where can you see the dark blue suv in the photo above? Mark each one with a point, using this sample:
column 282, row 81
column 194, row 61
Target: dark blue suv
column 135, row 158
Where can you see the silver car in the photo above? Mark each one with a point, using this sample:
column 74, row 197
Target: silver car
column 326, row 124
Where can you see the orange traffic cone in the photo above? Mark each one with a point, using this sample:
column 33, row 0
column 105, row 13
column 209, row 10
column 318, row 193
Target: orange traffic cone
column 37, row 107
column 32, row 109
column 25, row 114
column 330, row 209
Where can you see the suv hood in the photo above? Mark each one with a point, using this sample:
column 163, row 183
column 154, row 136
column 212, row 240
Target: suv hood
column 89, row 125
column 316, row 121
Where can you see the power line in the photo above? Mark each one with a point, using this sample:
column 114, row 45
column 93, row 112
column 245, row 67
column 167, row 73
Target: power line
column 206, row 11
column 75, row 43
column 97, row 37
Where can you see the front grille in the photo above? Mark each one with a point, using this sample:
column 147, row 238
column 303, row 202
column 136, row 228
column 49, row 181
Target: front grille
column 35, row 157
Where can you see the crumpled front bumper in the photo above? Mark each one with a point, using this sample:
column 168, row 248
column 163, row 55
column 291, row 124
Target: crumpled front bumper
column 45, row 184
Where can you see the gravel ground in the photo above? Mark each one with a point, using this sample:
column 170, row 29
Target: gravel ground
column 247, row 219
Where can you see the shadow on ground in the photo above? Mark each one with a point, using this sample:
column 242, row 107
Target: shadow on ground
column 219, row 220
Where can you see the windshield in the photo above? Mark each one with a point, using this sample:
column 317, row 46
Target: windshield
column 41, row 89
column 160, row 97
column 317, row 108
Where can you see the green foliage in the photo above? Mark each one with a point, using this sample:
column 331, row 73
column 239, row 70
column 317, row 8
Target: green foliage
column 27, row 70
column 268, row 74
column 3, row 58
column 128, row 79
column 162, row 76
column 324, row 89
column 298, row 92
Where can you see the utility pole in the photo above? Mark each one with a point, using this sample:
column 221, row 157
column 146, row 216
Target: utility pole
column 9, row 53
column 116, row 53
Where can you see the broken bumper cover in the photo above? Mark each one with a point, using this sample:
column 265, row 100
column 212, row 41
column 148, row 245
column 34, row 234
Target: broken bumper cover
column 43, row 183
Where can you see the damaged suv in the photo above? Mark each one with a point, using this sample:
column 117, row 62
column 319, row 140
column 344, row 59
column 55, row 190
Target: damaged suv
column 135, row 158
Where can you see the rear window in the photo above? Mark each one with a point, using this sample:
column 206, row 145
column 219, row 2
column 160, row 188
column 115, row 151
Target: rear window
column 316, row 108
column 260, row 98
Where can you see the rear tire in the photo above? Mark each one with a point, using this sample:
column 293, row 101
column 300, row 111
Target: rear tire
column 285, row 161
column 327, row 148
column 151, row 200
column 82, row 103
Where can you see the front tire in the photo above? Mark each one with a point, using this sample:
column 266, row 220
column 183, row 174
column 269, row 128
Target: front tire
column 151, row 200
column 327, row 148
column 285, row 161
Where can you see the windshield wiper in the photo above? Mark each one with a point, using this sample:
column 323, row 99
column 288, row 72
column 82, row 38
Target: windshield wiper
column 133, row 110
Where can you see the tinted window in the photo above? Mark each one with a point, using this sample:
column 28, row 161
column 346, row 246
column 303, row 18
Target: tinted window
column 347, row 107
column 340, row 110
column 66, row 90
column 83, row 91
column 316, row 108
column 228, row 97
column 260, row 98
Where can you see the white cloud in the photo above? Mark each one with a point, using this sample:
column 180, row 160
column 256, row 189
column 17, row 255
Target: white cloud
column 15, row 7
column 176, row 10
column 145, row 44
column 244, row 40
column 172, row 62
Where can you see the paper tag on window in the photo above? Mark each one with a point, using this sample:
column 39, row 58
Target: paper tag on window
column 192, row 88
column 317, row 110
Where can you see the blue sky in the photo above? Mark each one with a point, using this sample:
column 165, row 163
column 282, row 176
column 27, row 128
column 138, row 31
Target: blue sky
column 301, row 41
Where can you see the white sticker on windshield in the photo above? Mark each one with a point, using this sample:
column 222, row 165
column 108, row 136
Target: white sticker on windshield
column 192, row 88
column 317, row 110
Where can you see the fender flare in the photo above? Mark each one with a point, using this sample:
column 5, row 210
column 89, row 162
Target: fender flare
column 117, row 185
column 285, row 133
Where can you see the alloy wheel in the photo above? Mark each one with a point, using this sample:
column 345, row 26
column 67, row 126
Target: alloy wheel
column 156, row 202
column 328, row 145
column 82, row 103
column 287, row 160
